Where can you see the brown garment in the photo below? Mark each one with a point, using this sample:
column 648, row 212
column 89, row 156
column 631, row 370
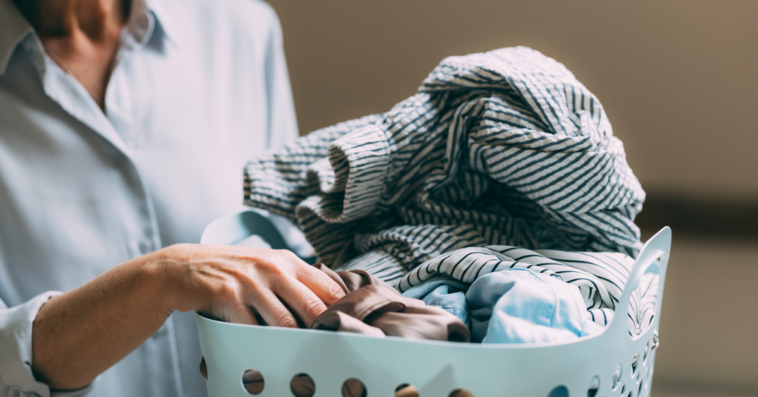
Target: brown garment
column 372, row 307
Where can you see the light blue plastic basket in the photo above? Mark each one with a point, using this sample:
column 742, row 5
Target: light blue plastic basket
column 434, row 368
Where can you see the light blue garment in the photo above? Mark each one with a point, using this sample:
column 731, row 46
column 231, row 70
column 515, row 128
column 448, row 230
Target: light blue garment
column 445, row 293
column 521, row 306
column 199, row 87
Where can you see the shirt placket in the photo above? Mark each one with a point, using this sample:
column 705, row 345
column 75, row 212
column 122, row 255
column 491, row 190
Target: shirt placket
column 115, row 126
column 120, row 109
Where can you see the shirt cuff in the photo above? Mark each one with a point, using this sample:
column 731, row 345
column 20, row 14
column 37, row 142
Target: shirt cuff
column 16, row 351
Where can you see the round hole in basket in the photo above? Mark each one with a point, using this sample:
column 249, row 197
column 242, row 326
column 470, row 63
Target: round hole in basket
column 560, row 391
column 353, row 387
column 252, row 381
column 460, row 393
column 406, row 390
column 594, row 386
column 302, row 385
column 616, row 377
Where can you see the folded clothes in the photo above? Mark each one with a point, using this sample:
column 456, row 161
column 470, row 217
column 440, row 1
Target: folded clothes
column 596, row 279
column 373, row 307
column 499, row 148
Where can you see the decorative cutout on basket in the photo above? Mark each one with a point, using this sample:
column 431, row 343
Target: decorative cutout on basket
column 252, row 381
column 616, row 378
column 594, row 386
column 635, row 361
column 460, row 393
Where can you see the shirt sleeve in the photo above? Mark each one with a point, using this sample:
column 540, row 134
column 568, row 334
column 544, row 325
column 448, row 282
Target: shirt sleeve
column 16, row 377
column 281, row 109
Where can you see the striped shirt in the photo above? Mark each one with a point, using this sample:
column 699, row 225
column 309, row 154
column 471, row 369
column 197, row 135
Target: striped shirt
column 498, row 148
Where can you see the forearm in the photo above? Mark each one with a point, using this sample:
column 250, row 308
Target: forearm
column 78, row 335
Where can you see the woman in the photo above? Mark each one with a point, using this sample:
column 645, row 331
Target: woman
column 124, row 126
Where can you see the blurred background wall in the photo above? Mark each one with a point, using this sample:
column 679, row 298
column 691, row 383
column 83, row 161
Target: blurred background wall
column 679, row 81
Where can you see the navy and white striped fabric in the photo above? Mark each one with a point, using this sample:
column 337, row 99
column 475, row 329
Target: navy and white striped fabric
column 498, row 148
column 600, row 277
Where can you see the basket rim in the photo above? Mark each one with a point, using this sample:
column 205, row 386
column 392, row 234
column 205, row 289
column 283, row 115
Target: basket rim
column 397, row 339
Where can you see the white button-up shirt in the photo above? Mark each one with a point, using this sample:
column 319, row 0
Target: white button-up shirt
column 199, row 86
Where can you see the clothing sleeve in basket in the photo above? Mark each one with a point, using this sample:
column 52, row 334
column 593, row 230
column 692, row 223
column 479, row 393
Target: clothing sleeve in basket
column 16, row 377
column 277, row 180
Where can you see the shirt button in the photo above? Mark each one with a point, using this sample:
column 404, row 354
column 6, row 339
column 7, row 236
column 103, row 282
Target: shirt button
column 145, row 246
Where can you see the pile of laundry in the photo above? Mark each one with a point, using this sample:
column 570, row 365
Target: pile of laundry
column 495, row 206
column 495, row 294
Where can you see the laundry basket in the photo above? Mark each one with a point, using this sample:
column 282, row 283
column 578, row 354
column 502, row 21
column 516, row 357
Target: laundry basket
column 611, row 363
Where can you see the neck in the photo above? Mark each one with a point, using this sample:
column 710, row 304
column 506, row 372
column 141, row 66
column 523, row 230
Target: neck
column 81, row 36
column 61, row 18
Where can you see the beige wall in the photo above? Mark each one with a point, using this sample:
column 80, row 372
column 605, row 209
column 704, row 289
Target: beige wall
column 679, row 79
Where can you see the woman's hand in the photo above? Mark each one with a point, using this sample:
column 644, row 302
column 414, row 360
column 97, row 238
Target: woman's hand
column 232, row 283
column 76, row 336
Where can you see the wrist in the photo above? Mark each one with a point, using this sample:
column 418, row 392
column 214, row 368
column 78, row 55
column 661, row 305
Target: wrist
column 169, row 267
column 158, row 270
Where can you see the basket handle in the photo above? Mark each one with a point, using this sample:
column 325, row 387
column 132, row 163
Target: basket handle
column 659, row 246
column 234, row 228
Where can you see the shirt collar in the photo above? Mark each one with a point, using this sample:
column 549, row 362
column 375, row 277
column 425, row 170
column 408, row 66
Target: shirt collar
column 162, row 19
column 13, row 29
column 147, row 18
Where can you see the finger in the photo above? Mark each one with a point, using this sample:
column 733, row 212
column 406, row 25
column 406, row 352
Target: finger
column 321, row 284
column 302, row 300
column 272, row 310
